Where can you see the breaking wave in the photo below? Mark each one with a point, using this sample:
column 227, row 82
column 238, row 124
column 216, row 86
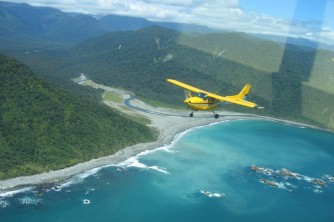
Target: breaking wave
column 14, row 192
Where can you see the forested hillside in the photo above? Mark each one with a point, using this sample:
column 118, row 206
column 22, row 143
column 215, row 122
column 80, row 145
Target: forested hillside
column 292, row 82
column 44, row 128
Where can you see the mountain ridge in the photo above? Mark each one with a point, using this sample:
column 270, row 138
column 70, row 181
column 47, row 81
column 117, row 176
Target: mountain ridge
column 54, row 28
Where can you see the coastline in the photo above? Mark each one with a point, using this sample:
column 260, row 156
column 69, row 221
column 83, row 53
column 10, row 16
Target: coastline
column 166, row 137
column 169, row 123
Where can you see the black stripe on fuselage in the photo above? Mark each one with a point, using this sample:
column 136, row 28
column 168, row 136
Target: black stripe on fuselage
column 203, row 103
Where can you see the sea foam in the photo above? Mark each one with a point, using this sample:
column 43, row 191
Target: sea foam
column 210, row 194
column 134, row 161
column 13, row 192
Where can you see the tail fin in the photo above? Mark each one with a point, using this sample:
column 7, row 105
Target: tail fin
column 243, row 93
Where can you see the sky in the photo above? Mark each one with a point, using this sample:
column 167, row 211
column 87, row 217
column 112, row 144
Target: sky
column 311, row 19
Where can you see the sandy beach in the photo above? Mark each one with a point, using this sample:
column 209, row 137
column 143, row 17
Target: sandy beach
column 169, row 122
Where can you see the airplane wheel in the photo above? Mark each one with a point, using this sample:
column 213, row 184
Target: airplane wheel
column 216, row 116
column 191, row 115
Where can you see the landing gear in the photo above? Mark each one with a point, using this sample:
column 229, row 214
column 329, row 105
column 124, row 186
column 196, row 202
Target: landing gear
column 215, row 115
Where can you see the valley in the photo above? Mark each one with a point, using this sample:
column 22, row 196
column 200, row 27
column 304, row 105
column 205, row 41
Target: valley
column 292, row 83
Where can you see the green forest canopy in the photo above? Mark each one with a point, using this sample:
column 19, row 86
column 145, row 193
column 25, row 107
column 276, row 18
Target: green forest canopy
column 44, row 128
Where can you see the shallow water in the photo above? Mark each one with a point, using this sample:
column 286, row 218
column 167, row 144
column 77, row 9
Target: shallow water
column 204, row 176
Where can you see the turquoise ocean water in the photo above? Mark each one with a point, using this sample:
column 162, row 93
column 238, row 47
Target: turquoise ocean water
column 205, row 175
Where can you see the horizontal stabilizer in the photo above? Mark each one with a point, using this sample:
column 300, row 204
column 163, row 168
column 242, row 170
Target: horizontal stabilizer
column 243, row 93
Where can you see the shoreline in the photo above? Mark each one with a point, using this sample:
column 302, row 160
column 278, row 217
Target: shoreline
column 166, row 137
column 169, row 123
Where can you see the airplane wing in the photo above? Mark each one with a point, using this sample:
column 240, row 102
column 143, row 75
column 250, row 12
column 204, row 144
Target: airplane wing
column 183, row 85
column 236, row 99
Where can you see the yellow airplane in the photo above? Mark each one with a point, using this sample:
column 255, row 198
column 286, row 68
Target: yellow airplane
column 204, row 100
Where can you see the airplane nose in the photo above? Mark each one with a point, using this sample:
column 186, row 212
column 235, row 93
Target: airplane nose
column 187, row 101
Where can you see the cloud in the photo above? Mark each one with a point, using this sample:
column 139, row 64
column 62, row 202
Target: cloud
column 227, row 15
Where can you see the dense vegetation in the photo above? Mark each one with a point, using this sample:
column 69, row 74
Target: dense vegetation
column 44, row 128
column 292, row 82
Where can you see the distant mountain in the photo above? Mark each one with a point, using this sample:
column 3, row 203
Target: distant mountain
column 44, row 128
column 292, row 82
column 25, row 28
column 183, row 27
column 21, row 24
column 296, row 41
column 124, row 23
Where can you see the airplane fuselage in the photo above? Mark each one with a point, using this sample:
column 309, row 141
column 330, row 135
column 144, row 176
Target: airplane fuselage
column 197, row 103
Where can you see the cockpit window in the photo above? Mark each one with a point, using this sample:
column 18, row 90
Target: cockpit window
column 202, row 95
